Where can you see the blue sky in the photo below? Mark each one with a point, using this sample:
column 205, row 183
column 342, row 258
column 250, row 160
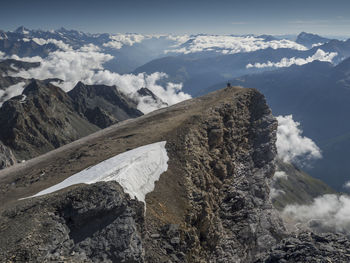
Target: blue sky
column 324, row 17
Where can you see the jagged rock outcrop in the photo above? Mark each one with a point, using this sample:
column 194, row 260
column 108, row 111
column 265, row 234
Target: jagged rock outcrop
column 311, row 248
column 41, row 119
column 103, row 105
column 97, row 223
column 211, row 205
column 227, row 158
column 152, row 98
column 6, row 157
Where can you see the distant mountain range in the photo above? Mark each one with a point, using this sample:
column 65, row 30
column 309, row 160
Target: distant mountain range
column 131, row 51
column 311, row 40
column 197, row 72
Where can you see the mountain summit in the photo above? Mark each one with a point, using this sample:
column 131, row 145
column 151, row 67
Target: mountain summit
column 308, row 39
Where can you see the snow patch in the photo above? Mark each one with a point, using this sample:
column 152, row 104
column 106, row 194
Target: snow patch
column 136, row 171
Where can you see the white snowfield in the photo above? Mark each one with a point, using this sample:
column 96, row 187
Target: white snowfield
column 135, row 170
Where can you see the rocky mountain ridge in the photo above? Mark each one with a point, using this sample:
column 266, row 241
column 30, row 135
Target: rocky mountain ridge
column 44, row 117
column 211, row 205
column 221, row 149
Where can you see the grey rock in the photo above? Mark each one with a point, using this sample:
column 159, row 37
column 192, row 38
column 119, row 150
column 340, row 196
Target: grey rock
column 97, row 223
column 6, row 156
column 103, row 105
column 308, row 247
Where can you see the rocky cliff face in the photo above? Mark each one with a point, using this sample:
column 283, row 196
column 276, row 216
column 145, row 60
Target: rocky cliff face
column 226, row 156
column 211, row 205
column 309, row 247
column 98, row 223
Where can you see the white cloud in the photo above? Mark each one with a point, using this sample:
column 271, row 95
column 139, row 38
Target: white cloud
column 287, row 62
column 327, row 213
column 11, row 92
column 70, row 66
column 86, row 65
column 233, row 44
column 347, row 185
column 120, row 40
column 291, row 145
